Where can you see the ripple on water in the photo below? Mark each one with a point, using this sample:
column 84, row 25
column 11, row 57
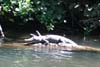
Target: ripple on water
column 10, row 57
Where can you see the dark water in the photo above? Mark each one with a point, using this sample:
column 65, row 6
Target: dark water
column 11, row 57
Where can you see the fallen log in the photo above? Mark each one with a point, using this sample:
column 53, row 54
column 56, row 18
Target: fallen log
column 52, row 47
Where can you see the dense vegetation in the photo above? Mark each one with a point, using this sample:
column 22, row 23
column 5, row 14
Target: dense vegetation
column 67, row 15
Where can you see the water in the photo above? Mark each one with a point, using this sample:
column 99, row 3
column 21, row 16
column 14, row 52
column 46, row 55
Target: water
column 12, row 57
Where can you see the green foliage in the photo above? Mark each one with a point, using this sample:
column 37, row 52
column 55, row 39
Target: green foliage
column 93, row 18
column 18, row 7
column 49, row 12
column 82, row 14
column 46, row 12
column 86, row 14
column 89, row 25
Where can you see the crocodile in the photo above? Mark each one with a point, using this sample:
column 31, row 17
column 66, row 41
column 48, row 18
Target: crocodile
column 50, row 38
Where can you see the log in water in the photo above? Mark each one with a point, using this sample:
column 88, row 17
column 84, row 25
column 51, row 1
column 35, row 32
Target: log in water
column 52, row 47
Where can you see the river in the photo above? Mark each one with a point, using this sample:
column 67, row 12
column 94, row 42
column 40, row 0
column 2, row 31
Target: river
column 14, row 57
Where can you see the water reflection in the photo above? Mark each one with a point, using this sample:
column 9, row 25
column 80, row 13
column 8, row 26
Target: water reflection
column 29, row 58
column 11, row 57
